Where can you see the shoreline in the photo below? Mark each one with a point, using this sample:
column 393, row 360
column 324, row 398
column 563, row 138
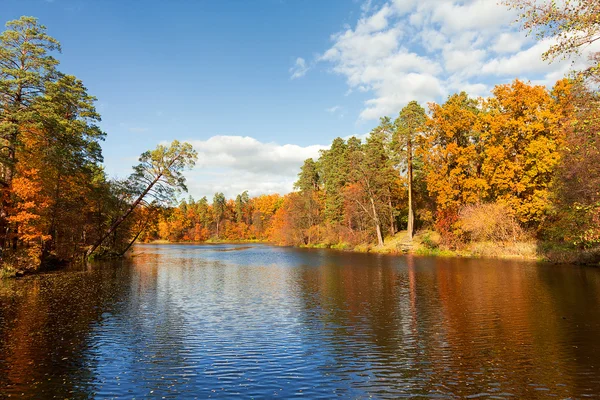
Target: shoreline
column 398, row 245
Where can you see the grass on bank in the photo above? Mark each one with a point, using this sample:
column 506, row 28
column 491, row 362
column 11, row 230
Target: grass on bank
column 428, row 243
column 424, row 243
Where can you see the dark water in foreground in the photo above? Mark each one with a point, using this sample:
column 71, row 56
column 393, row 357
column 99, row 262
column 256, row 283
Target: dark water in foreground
column 183, row 321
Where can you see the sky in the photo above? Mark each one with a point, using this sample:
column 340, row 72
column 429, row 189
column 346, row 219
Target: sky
column 259, row 86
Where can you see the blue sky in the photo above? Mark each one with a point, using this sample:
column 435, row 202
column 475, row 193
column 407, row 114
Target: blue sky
column 258, row 86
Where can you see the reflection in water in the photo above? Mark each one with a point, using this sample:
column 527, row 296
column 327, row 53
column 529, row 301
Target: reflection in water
column 204, row 321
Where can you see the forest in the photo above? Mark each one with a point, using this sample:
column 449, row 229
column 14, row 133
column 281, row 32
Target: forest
column 517, row 172
column 521, row 166
column 57, row 204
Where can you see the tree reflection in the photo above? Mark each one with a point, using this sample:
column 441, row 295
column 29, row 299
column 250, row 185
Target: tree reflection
column 191, row 321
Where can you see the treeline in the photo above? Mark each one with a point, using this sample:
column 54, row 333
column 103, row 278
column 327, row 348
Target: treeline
column 522, row 164
column 526, row 154
column 56, row 202
column 242, row 218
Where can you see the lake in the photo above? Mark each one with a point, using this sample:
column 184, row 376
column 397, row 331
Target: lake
column 215, row 321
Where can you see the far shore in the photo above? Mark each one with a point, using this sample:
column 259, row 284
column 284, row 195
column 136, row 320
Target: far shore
column 425, row 243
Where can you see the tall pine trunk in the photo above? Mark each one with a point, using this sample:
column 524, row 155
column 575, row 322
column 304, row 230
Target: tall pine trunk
column 411, row 216
column 392, row 219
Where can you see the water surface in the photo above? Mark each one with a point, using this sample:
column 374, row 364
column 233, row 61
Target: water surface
column 214, row 321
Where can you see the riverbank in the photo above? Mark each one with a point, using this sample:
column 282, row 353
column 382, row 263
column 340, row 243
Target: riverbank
column 424, row 243
column 427, row 243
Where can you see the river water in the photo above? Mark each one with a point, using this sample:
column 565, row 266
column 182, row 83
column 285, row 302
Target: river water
column 215, row 321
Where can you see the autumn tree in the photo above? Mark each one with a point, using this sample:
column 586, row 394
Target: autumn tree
column 289, row 223
column 196, row 221
column 451, row 153
column 59, row 154
column 264, row 208
column 26, row 66
column 575, row 215
column 573, row 25
column 521, row 138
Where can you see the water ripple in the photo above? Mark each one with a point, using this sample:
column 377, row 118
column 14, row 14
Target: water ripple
column 190, row 321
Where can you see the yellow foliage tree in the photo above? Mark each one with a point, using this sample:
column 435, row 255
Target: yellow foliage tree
column 521, row 141
column 451, row 153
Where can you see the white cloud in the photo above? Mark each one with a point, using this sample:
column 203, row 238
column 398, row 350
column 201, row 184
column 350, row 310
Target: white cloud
column 232, row 164
column 522, row 62
column 375, row 22
column 423, row 50
column 394, row 93
column 337, row 110
column 366, row 6
column 508, row 42
column 528, row 62
column 299, row 69
column 460, row 60
column 480, row 15
column 401, row 7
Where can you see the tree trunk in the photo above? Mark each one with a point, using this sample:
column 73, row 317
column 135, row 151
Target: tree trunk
column 392, row 219
column 50, row 245
column 9, row 171
column 379, row 235
column 411, row 216
column 122, row 218
column 15, row 238
column 377, row 224
column 133, row 240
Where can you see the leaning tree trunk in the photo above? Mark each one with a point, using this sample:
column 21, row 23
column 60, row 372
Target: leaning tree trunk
column 133, row 241
column 144, row 226
column 122, row 218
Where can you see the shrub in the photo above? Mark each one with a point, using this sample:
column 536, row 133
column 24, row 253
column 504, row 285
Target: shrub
column 576, row 225
column 489, row 222
column 429, row 241
column 447, row 225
